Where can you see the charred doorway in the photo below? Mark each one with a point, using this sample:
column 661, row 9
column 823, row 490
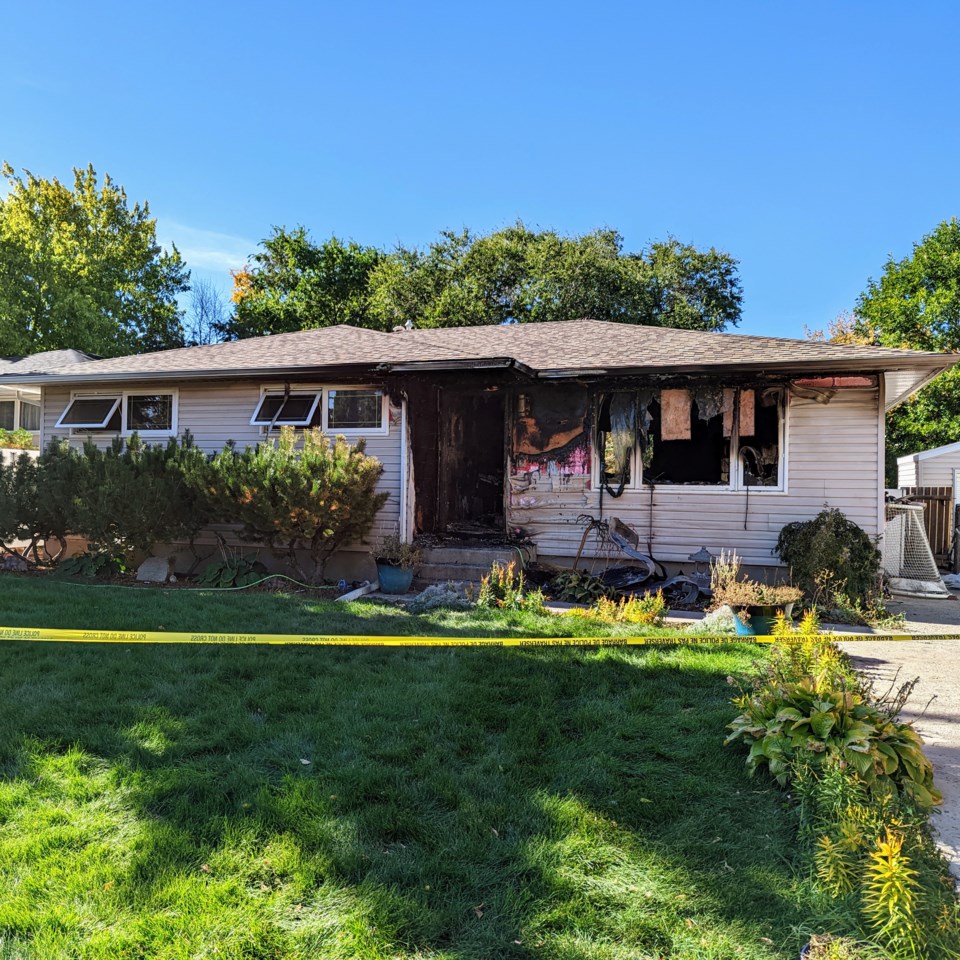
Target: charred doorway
column 457, row 441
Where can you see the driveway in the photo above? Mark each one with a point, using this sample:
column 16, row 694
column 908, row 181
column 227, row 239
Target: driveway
column 937, row 664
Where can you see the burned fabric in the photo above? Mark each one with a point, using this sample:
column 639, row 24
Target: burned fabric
column 675, row 414
column 622, row 434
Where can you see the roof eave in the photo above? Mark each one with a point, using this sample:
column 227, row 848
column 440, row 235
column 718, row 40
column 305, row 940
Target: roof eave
column 235, row 373
column 934, row 364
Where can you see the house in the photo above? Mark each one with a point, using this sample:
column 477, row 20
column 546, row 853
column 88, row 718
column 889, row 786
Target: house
column 939, row 467
column 932, row 477
column 20, row 404
column 518, row 431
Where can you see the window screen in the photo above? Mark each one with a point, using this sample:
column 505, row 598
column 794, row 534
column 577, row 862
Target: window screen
column 150, row 412
column 7, row 413
column 29, row 415
column 91, row 412
column 354, row 409
column 296, row 409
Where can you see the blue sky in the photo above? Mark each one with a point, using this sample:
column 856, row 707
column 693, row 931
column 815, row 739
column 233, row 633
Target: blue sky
column 810, row 140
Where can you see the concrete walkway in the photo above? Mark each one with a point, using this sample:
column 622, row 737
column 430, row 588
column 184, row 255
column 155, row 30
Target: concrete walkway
column 937, row 664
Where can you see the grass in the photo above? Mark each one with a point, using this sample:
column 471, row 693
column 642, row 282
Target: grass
column 49, row 602
column 291, row 802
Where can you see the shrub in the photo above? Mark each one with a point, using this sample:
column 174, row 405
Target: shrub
column 93, row 564
column 235, row 571
column 504, row 588
column 133, row 495
column 732, row 590
column 16, row 439
column 319, row 496
column 649, row 610
column 125, row 498
column 864, row 791
column 395, row 552
column 576, row 586
column 803, row 722
column 38, row 498
column 833, row 545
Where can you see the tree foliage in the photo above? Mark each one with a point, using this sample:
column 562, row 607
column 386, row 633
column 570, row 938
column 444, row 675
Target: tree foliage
column 530, row 276
column 469, row 279
column 296, row 284
column 916, row 304
column 81, row 268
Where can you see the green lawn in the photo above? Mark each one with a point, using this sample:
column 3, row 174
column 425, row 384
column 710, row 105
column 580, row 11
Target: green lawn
column 275, row 802
column 48, row 602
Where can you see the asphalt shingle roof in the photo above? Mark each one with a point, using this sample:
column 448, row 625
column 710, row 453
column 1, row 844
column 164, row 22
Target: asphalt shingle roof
column 568, row 346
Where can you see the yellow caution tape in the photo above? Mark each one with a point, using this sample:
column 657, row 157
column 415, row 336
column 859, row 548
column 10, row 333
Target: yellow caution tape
column 337, row 640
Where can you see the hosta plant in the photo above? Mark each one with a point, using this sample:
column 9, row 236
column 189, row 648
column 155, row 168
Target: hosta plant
column 790, row 723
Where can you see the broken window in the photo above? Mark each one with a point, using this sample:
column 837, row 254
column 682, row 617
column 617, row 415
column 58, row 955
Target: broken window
column 687, row 441
column 550, row 434
column 708, row 435
column 617, row 433
column 759, row 450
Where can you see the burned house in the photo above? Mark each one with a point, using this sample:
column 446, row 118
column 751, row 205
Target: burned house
column 514, row 433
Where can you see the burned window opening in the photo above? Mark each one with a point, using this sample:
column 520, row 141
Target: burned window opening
column 550, row 436
column 617, row 438
column 690, row 437
column 759, row 453
column 703, row 458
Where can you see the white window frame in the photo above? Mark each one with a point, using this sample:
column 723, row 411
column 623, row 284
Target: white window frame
column 736, row 484
column 16, row 410
column 323, row 393
column 121, row 397
column 380, row 431
column 19, row 415
column 270, row 392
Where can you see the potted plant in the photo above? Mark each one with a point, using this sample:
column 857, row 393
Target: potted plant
column 756, row 604
column 395, row 562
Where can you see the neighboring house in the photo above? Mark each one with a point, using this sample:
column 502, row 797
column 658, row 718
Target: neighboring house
column 20, row 405
column 694, row 439
column 932, row 477
column 939, row 467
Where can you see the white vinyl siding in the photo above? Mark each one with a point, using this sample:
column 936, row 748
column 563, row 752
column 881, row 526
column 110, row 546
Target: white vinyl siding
column 217, row 412
column 938, row 471
column 832, row 459
column 907, row 472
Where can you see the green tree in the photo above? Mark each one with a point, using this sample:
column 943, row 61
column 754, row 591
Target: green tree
column 469, row 279
column 296, row 284
column 530, row 275
column 916, row 304
column 81, row 268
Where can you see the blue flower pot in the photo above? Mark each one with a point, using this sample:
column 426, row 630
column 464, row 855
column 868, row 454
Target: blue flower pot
column 394, row 579
column 761, row 620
